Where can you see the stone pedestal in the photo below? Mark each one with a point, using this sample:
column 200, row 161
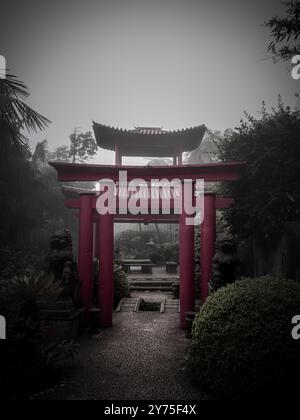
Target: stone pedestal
column 65, row 323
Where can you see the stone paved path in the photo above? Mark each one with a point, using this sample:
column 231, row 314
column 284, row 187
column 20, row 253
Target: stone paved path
column 141, row 357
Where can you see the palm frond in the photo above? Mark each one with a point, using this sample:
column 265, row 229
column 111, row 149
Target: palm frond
column 14, row 111
column 12, row 87
column 13, row 135
column 18, row 113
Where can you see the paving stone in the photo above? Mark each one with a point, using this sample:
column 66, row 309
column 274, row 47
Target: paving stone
column 141, row 357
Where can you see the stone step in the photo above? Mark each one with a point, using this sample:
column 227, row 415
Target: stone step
column 172, row 306
column 127, row 305
column 149, row 278
column 146, row 281
column 130, row 304
column 156, row 286
column 151, row 284
column 148, row 287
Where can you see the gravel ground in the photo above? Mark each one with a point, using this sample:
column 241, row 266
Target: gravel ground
column 142, row 357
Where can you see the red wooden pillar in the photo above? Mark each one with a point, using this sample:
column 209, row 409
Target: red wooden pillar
column 179, row 153
column 118, row 155
column 106, row 268
column 96, row 236
column 85, row 252
column 208, row 240
column 187, row 282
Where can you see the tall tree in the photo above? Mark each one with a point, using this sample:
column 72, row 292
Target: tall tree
column 83, row 146
column 268, row 194
column 285, row 32
column 20, row 208
column 60, row 154
column 40, row 153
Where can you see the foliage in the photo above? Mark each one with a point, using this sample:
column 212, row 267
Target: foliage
column 25, row 290
column 19, row 189
column 60, row 154
column 83, row 146
column 165, row 248
column 268, row 193
column 285, row 32
column 242, row 342
column 31, row 206
column 170, row 251
column 15, row 262
column 14, row 113
column 40, row 154
column 32, row 203
column 121, row 289
column 156, row 257
column 30, row 351
column 30, row 196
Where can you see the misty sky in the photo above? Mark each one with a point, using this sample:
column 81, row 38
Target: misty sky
column 170, row 63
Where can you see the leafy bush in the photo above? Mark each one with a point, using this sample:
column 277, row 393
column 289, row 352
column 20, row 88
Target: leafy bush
column 157, row 257
column 122, row 289
column 268, row 193
column 136, row 245
column 15, row 262
column 242, row 344
column 30, row 351
column 171, row 252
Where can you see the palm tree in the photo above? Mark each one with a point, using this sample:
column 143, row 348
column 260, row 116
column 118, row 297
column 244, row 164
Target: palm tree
column 18, row 180
column 15, row 115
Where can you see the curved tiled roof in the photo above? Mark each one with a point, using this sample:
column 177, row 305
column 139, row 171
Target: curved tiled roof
column 148, row 141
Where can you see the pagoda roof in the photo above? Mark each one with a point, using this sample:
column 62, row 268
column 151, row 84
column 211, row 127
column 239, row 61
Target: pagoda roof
column 149, row 141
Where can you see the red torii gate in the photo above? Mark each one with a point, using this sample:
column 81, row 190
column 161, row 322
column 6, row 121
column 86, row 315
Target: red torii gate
column 217, row 172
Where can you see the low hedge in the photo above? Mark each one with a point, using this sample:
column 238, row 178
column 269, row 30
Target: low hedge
column 241, row 342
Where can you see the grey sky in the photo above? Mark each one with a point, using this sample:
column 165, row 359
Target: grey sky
column 174, row 63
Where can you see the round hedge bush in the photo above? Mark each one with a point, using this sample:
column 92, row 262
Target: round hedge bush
column 242, row 343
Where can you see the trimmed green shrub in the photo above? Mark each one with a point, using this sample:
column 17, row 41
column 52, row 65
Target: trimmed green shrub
column 242, row 343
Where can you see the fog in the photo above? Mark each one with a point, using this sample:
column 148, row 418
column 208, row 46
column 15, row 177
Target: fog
column 172, row 64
